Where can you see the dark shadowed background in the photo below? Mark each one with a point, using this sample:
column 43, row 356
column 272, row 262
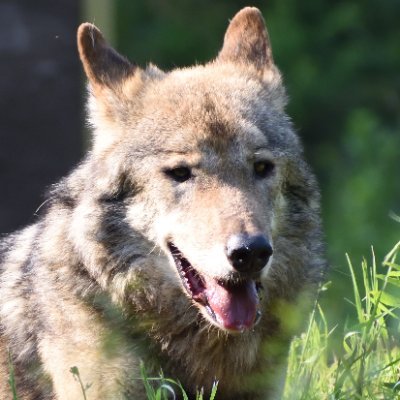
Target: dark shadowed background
column 340, row 61
column 40, row 103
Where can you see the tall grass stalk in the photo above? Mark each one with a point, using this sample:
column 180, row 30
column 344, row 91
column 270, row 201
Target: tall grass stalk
column 84, row 388
column 11, row 378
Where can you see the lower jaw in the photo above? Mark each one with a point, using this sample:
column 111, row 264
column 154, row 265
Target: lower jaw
column 230, row 306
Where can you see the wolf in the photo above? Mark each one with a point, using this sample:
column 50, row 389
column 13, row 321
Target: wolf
column 184, row 242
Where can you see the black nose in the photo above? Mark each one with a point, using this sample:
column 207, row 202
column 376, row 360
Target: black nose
column 248, row 253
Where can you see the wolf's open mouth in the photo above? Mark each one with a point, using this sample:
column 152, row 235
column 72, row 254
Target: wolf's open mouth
column 233, row 306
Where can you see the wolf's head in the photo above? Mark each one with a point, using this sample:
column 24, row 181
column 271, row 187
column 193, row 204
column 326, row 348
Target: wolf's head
column 198, row 170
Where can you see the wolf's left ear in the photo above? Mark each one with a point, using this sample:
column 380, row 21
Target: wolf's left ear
column 104, row 67
column 246, row 41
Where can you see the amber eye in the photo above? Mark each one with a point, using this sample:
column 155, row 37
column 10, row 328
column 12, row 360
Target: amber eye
column 179, row 174
column 262, row 169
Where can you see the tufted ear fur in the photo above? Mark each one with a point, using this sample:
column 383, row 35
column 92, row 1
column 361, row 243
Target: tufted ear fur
column 246, row 41
column 103, row 66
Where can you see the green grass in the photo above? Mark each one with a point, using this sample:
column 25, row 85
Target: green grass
column 162, row 388
column 11, row 378
column 362, row 361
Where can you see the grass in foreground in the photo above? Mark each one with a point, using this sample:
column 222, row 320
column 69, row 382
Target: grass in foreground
column 366, row 364
column 165, row 388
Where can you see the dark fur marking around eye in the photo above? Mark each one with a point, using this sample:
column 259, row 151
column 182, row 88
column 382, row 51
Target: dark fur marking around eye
column 124, row 190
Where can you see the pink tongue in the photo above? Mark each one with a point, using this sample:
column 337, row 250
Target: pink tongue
column 234, row 306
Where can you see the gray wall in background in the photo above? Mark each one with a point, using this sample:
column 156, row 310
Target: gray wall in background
column 40, row 103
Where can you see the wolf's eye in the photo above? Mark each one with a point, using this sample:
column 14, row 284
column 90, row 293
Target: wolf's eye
column 179, row 174
column 262, row 169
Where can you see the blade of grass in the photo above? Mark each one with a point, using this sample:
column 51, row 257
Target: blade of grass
column 357, row 297
column 75, row 372
column 11, row 379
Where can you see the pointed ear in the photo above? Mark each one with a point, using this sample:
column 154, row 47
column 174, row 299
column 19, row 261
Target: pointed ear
column 246, row 41
column 103, row 66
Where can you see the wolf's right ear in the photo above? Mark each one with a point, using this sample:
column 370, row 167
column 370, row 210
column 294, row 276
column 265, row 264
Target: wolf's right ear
column 103, row 66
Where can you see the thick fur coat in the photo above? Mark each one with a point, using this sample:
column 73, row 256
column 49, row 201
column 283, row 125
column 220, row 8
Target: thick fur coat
column 186, row 239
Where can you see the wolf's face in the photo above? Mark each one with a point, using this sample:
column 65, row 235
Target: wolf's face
column 197, row 157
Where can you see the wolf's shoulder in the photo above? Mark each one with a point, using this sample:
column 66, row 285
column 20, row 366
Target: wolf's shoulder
column 17, row 248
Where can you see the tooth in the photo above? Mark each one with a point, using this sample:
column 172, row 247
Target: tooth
column 211, row 312
column 258, row 317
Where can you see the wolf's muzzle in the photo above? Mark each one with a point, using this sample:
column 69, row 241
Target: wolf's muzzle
column 248, row 253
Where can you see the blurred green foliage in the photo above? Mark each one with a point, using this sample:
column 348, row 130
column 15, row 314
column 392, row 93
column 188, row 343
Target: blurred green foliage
column 341, row 65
